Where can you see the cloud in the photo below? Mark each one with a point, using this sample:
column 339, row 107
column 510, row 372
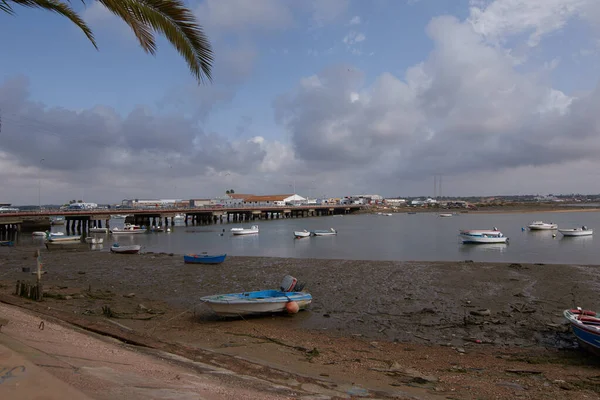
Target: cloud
column 112, row 156
column 464, row 111
column 355, row 20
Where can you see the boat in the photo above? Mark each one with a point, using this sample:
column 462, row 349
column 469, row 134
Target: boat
column 52, row 238
column 204, row 258
column 445, row 215
column 38, row 233
column 329, row 232
column 57, row 220
column 57, row 233
column 98, row 230
column 118, row 216
column 301, row 234
column 179, row 217
column 583, row 231
column 131, row 249
column 157, row 229
column 93, row 240
column 245, row 231
column 475, row 236
column 7, row 243
column 289, row 297
column 585, row 324
column 542, row 226
column 129, row 229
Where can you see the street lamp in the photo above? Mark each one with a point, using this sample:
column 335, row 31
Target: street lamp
column 40, row 186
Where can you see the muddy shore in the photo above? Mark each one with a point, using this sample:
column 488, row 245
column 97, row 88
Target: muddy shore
column 371, row 311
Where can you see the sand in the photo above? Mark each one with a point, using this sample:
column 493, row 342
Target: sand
column 462, row 329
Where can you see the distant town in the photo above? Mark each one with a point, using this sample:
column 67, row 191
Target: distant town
column 235, row 200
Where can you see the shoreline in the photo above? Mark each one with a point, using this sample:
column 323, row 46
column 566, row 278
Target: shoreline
column 381, row 313
column 484, row 210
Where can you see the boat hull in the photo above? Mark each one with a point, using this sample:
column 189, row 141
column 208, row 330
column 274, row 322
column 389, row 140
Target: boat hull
column 251, row 303
column 98, row 230
column 575, row 232
column 542, row 227
column 64, row 239
column 204, row 259
column 133, row 249
column 482, row 240
column 588, row 336
column 301, row 234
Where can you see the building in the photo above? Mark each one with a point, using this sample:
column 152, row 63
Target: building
column 82, row 206
column 153, row 203
column 275, row 200
column 396, row 202
column 201, row 202
column 364, row 199
column 233, row 200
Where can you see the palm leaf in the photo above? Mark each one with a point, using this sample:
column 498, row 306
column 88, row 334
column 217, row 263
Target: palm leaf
column 55, row 6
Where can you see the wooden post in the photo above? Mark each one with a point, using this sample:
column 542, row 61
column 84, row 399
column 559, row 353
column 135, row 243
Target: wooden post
column 39, row 292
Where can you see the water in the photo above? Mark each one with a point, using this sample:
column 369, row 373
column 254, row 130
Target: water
column 417, row 237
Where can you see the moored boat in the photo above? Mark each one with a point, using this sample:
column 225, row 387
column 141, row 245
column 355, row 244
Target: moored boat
column 131, row 249
column 542, row 226
column 288, row 298
column 585, row 324
column 53, row 238
column 330, row 232
column 128, row 228
column 475, row 236
column 245, row 231
column 204, row 258
column 583, row 231
column 301, row 234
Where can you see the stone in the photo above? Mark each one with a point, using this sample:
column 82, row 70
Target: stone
column 129, row 295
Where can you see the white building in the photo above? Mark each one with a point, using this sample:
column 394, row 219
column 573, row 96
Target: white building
column 395, row 202
column 275, row 200
column 150, row 203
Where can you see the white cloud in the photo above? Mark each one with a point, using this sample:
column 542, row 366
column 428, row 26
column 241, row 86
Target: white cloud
column 355, row 20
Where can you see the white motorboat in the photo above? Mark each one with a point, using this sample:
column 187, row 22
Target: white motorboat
column 51, row 238
column 301, row 234
column 98, row 230
column 93, row 240
column 245, row 231
column 542, row 226
column 330, row 232
column 132, row 249
column 57, row 234
column 476, row 236
column 128, row 229
column 583, row 231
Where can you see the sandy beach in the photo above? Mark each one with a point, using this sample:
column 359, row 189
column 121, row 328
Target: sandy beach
column 430, row 329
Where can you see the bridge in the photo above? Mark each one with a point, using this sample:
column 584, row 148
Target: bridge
column 82, row 220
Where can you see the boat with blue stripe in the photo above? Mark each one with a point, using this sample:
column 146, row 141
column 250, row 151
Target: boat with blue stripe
column 204, row 258
column 586, row 327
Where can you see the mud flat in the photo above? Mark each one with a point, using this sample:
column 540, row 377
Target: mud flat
column 438, row 329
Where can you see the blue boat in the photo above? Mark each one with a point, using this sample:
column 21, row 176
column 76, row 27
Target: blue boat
column 8, row 243
column 586, row 327
column 204, row 258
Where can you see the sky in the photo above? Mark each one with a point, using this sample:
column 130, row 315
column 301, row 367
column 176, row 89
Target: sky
column 321, row 97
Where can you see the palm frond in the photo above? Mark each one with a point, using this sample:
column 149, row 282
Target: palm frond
column 175, row 21
column 55, row 6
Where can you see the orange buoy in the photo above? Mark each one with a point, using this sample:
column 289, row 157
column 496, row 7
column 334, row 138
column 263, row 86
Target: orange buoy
column 292, row 307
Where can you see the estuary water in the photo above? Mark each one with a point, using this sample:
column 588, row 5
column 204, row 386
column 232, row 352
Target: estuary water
column 402, row 236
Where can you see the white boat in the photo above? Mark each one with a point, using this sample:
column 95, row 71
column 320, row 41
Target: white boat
column 98, row 230
column 38, row 233
column 57, row 234
column 245, row 231
column 301, row 234
column 128, row 229
column 330, row 232
column 132, row 249
column 50, row 238
column 583, row 231
column 445, row 215
column 482, row 236
column 93, row 240
column 118, row 216
column 542, row 226
column 179, row 217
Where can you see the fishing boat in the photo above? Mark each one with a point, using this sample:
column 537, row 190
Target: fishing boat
column 245, row 231
column 98, row 230
column 204, row 258
column 288, row 298
column 583, row 231
column 128, row 229
column 542, row 226
column 475, row 236
column 445, row 215
column 131, row 249
column 301, row 234
column 586, row 327
column 94, row 240
column 330, row 232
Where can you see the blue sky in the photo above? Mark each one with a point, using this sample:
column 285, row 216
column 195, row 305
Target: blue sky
column 265, row 51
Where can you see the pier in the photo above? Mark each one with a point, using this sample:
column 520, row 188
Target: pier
column 81, row 221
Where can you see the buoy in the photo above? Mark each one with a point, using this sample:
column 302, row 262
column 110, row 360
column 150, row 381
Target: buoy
column 292, row 307
column 522, row 229
column 554, row 235
column 168, row 229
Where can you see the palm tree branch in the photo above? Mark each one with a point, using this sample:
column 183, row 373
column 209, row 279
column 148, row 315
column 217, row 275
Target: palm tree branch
column 56, row 6
column 176, row 23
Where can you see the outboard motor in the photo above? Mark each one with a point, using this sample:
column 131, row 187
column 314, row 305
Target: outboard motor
column 291, row 284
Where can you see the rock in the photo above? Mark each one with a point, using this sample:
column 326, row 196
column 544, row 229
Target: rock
column 129, row 295
column 515, row 266
column 460, row 349
column 484, row 312
column 81, row 272
column 142, row 307
column 68, row 297
column 511, row 385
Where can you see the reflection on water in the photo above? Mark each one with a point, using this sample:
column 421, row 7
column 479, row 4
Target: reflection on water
column 475, row 248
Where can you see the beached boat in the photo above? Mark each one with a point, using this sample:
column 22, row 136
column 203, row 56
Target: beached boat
column 98, row 230
column 129, row 229
column 245, row 231
column 542, row 226
column 301, row 234
column 38, row 233
column 476, row 236
column 583, row 231
column 329, row 232
column 586, row 327
column 7, row 243
column 132, row 249
column 94, row 240
column 204, row 258
column 288, row 298
column 445, row 215
column 53, row 238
